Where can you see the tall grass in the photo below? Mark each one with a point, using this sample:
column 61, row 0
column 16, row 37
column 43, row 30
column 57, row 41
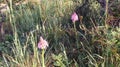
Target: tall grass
column 50, row 19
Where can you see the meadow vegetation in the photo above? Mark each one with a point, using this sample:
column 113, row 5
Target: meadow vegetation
column 91, row 41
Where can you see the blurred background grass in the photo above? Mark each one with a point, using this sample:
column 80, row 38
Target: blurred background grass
column 25, row 21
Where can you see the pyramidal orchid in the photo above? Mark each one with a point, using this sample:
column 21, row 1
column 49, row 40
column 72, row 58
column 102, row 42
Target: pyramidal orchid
column 43, row 44
column 74, row 17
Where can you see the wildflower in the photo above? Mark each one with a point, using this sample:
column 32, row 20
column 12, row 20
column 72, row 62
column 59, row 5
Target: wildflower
column 74, row 17
column 43, row 44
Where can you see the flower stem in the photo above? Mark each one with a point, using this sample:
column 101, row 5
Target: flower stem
column 106, row 14
column 43, row 63
column 76, row 34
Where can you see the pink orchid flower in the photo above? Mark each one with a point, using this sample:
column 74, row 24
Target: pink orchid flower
column 74, row 17
column 43, row 44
